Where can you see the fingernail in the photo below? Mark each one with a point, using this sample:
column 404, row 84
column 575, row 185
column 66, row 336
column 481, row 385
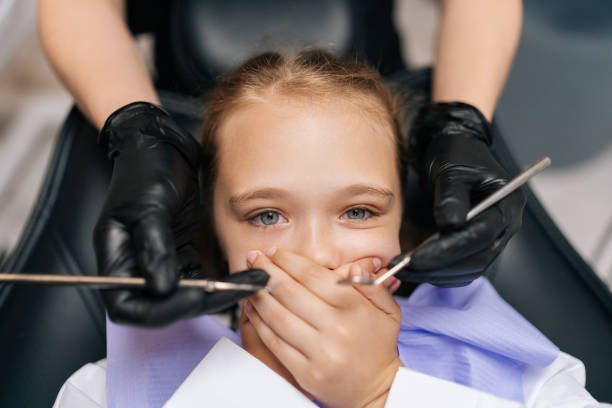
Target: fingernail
column 356, row 270
column 251, row 256
column 248, row 307
column 377, row 263
column 271, row 251
column 395, row 285
column 241, row 303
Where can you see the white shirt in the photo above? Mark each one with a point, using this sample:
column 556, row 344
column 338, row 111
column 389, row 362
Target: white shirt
column 228, row 376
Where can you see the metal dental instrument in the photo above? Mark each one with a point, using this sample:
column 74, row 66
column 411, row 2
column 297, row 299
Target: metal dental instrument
column 512, row 185
column 110, row 282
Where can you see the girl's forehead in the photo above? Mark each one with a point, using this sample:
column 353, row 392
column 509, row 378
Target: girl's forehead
column 299, row 122
column 287, row 142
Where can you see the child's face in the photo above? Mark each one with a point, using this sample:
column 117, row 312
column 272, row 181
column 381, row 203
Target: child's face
column 318, row 179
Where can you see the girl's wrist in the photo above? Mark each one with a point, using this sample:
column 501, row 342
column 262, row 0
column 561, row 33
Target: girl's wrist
column 378, row 402
column 388, row 376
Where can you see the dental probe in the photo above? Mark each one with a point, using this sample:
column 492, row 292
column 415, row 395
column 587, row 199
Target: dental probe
column 111, row 282
column 512, row 185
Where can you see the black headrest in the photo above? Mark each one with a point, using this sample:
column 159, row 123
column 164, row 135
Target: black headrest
column 211, row 37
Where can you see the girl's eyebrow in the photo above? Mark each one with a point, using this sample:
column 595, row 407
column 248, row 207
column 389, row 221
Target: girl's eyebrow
column 372, row 189
column 264, row 193
column 277, row 193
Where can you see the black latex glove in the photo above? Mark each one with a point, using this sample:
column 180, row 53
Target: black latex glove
column 455, row 164
column 150, row 220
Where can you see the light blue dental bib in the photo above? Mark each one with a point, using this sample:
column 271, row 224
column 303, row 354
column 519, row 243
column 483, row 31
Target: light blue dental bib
column 467, row 335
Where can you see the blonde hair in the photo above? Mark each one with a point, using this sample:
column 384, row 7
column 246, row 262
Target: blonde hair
column 314, row 74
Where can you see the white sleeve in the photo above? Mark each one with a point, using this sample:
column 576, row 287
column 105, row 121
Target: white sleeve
column 86, row 388
column 559, row 385
column 413, row 389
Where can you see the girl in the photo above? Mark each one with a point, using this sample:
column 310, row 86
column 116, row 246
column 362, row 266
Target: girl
column 306, row 155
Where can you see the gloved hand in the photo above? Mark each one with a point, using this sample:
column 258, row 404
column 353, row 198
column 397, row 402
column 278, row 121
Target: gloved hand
column 452, row 143
column 150, row 220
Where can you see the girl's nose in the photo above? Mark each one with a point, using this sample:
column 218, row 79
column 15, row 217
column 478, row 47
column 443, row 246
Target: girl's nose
column 316, row 242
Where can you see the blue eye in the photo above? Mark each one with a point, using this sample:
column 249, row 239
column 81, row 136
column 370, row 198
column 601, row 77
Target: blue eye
column 357, row 213
column 268, row 217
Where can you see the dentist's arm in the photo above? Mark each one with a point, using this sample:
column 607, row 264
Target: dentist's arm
column 476, row 45
column 149, row 222
column 91, row 49
column 477, row 41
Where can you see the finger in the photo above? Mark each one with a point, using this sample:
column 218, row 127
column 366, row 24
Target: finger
column 291, row 294
column 511, row 208
column 463, row 271
column 115, row 256
column 478, row 235
column 223, row 299
column 153, row 242
column 137, row 307
column 455, row 279
column 452, row 284
column 367, row 267
column 467, row 270
column 392, row 283
column 114, row 252
column 451, row 202
column 460, row 273
column 317, row 279
column 379, row 296
column 290, row 357
column 294, row 331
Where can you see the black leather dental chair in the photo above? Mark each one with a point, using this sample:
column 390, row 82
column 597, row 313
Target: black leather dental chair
column 47, row 333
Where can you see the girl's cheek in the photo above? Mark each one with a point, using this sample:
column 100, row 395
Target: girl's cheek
column 243, row 241
column 380, row 246
column 354, row 246
column 237, row 261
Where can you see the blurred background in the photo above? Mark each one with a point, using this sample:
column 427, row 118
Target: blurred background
column 555, row 103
